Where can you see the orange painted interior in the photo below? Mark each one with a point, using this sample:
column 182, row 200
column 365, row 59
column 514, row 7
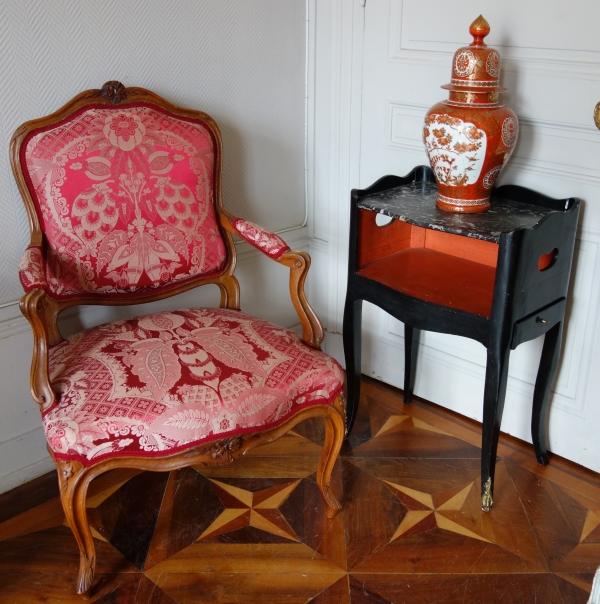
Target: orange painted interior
column 447, row 269
column 547, row 260
column 476, row 250
column 375, row 242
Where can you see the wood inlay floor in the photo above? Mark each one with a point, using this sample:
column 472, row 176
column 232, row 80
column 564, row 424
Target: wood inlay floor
column 411, row 530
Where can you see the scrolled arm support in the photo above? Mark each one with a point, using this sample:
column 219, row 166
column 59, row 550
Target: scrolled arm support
column 33, row 306
column 297, row 261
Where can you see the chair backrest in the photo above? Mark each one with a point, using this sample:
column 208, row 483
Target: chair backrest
column 122, row 190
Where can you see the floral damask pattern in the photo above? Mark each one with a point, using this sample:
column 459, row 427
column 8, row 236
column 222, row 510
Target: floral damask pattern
column 153, row 385
column 126, row 199
column 269, row 243
column 31, row 269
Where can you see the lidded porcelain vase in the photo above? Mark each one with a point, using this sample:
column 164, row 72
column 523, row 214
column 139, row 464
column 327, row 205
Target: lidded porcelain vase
column 470, row 136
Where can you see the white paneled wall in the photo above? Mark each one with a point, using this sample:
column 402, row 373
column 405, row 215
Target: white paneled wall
column 241, row 61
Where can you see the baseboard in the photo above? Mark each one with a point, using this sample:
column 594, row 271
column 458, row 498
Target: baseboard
column 24, row 475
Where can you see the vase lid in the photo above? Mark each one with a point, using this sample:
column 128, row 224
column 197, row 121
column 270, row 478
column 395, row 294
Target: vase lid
column 476, row 68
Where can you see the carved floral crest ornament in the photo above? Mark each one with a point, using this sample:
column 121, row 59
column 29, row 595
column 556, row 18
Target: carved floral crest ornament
column 470, row 136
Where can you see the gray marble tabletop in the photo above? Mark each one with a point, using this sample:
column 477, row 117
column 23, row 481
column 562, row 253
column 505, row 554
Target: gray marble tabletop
column 414, row 203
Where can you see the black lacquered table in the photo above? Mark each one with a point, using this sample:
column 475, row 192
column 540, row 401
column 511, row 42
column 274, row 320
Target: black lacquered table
column 499, row 277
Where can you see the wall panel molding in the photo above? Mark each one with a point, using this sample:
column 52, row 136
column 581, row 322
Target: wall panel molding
column 427, row 36
column 544, row 147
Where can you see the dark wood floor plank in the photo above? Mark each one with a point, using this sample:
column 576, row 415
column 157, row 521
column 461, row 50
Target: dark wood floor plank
column 307, row 515
column 556, row 536
column 371, row 514
column 55, row 550
column 360, row 594
column 249, row 588
column 574, row 587
column 338, row 593
column 461, row 589
column 129, row 515
column 188, row 507
column 59, row 588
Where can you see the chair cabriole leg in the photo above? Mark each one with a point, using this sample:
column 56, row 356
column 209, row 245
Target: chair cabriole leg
column 334, row 437
column 73, row 484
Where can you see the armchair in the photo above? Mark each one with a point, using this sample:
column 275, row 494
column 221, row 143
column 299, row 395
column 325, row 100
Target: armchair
column 123, row 195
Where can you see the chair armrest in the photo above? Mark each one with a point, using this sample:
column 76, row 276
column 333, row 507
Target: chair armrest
column 298, row 262
column 268, row 243
column 33, row 305
column 32, row 269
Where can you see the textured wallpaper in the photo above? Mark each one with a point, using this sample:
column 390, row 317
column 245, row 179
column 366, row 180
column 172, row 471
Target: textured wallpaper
column 241, row 61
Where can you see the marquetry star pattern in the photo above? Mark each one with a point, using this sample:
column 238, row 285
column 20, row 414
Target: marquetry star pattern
column 426, row 511
column 259, row 509
column 592, row 522
column 396, row 423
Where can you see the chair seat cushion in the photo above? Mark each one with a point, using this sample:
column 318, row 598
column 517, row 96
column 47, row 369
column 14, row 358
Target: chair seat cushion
column 155, row 385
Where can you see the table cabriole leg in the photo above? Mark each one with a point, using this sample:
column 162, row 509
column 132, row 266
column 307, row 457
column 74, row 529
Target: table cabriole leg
column 493, row 405
column 541, row 394
column 411, row 349
column 352, row 351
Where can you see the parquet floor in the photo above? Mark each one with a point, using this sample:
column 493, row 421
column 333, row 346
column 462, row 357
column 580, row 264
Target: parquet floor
column 411, row 530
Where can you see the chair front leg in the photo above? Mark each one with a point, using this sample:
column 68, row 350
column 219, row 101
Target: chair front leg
column 73, row 482
column 334, row 437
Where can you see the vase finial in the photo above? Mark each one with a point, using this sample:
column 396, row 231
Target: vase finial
column 479, row 29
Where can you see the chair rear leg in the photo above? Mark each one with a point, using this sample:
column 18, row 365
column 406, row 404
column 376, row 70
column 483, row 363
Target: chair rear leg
column 73, row 482
column 334, row 437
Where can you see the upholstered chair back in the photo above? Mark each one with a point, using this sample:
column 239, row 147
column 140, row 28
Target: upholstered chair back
column 126, row 197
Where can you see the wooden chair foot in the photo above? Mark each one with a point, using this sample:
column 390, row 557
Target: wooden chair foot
column 334, row 437
column 73, row 482
column 86, row 573
column 331, row 503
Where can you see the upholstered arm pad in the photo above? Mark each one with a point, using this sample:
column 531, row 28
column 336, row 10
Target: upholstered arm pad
column 32, row 269
column 297, row 261
column 268, row 243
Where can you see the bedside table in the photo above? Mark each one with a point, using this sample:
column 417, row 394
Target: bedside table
column 499, row 277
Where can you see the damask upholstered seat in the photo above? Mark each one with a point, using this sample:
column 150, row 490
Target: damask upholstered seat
column 123, row 195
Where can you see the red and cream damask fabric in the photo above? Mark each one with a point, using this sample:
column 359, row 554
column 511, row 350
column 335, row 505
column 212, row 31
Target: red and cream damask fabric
column 126, row 199
column 31, row 269
column 153, row 385
column 269, row 243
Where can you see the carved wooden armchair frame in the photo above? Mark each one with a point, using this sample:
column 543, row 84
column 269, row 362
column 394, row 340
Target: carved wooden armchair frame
column 42, row 307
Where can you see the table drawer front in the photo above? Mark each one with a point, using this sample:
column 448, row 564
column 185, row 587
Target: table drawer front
column 538, row 323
